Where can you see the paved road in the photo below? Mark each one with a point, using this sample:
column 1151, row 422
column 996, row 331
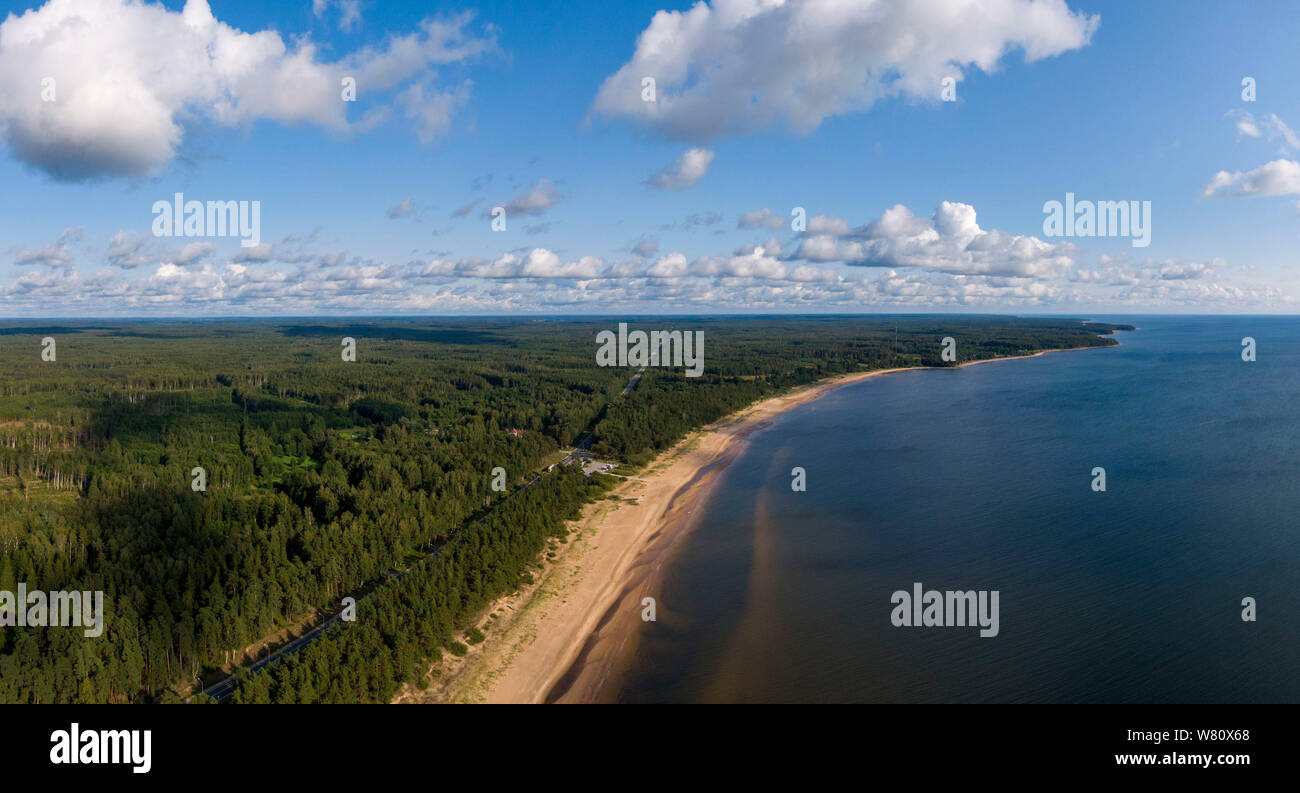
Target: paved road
column 636, row 378
column 224, row 688
column 583, row 445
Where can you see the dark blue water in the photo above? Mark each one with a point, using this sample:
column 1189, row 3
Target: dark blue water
column 980, row 479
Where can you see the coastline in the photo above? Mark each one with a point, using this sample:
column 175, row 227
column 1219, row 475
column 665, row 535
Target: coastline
column 559, row 639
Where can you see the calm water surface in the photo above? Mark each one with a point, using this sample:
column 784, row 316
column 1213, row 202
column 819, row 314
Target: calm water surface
column 980, row 479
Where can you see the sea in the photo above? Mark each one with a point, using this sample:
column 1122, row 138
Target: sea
column 1179, row 582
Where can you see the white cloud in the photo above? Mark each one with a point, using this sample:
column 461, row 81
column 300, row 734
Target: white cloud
column 734, row 66
column 825, row 224
column 537, row 263
column 671, row 266
column 1279, row 177
column 57, row 254
column 127, row 250
column 261, row 252
column 52, row 255
column 756, row 263
column 536, row 201
column 761, row 218
column 542, row 281
column 772, row 247
column 685, row 172
column 349, row 12
column 1269, row 127
column 1276, row 129
column 697, row 219
column 951, row 242
column 1182, row 271
column 1117, row 272
column 432, row 109
column 1219, row 180
column 291, row 250
column 292, row 276
column 541, row 263
column 129, row 77
column 194, row 252
column 466, row 209
column 401, row 210
column 646, row 247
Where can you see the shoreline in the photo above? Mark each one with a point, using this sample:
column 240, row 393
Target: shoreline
column 559, row 640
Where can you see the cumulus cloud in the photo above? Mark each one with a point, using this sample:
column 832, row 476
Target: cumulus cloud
column 952, row 241
column 292, row 275
column 772, row 246
column 129, row 77
column 1279, row 177
column 685, row 172
column 752, row 262
column 825, row 224
column 537, row 201
column 1192, row 293
column 194, row 253
column 261, row 252
column 671, row 266
column 760, row 219
column 57, row 254
column 541, row 280
column 646, row 247
column 52, row 255
column 537, row 263
column 291, row 249
column 1170, row 270
column 735, row 66
column 127, row 251
column 1121, row 273
column 755, row 263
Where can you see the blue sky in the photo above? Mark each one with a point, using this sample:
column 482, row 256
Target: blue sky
column 835, row 107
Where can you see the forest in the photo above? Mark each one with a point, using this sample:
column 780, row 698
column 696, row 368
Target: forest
column 323, row 477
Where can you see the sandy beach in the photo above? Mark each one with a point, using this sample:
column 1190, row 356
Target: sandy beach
column 558, row 639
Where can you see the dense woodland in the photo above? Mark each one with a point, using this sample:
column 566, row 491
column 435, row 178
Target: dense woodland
column 325, row 476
